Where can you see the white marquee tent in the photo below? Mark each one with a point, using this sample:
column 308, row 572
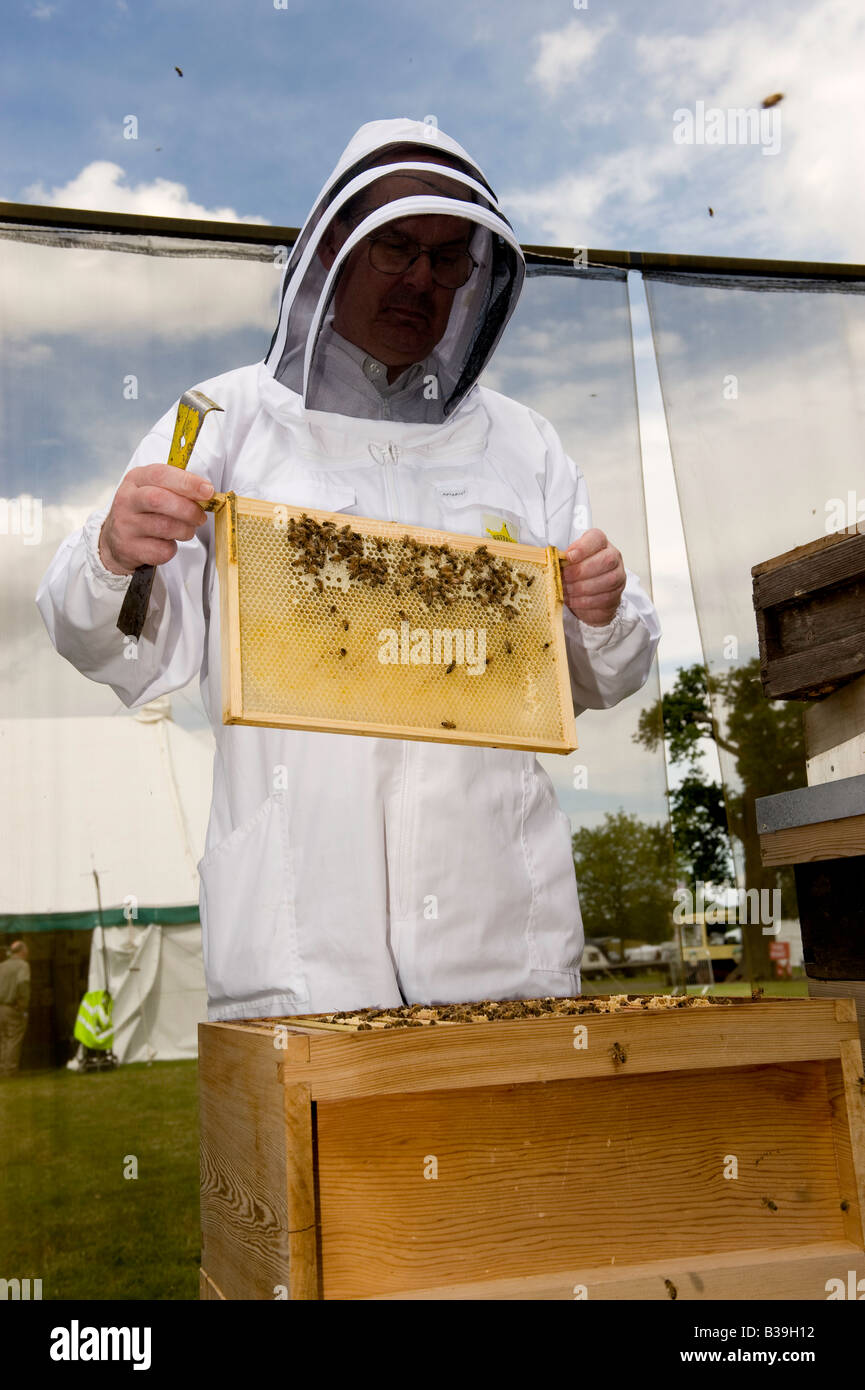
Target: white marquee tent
column 108, row 814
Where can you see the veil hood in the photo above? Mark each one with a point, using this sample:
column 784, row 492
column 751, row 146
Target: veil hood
column 310, row 358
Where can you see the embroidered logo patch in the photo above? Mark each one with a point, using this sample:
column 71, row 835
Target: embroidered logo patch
column 497, row 528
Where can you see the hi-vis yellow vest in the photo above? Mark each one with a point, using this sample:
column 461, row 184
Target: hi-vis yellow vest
column 93, row 1026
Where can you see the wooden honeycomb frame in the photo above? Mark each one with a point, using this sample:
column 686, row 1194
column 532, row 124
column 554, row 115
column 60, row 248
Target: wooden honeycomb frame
column 297, row 657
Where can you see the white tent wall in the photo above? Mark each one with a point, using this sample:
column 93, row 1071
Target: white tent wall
column 104, row 818
column 156, row 979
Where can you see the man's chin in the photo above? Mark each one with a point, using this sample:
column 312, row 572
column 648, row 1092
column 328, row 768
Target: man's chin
column 404, row 343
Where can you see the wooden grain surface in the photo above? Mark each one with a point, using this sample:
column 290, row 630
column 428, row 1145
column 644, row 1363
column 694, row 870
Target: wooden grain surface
column 810, row 674
column 208, row 1291
column 465, row 1055
column 805, row 844
column 835, row 720
column 852, row 1124
column 851, row 989
column 800, row 1273
column 549, row 1176
column 229, row 616
column 303, row 1268
column 820, row 564
column 243, row 1174
column 843, row 760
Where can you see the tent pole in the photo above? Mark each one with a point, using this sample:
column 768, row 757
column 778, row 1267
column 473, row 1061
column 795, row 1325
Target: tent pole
column 102, row 929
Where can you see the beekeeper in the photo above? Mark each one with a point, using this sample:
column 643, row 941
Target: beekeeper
column 341, row 871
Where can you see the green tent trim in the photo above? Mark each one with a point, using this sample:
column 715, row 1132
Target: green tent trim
column 18, row 924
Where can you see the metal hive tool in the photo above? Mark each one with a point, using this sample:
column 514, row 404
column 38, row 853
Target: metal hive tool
column 312, row 601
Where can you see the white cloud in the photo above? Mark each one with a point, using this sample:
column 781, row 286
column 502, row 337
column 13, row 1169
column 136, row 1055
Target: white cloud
column 563, row 53
column 101, row 187
column 579, row 209
column 808, row 200
column 42, row 12
column 122, row 297
column 110, row 295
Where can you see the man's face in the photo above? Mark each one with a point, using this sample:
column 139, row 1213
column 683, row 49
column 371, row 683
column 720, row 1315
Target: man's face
column 397, row 318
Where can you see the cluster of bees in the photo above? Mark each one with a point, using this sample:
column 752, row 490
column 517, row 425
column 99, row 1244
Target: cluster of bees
column 438, row 575
column 489, row 1010
column 322, row 542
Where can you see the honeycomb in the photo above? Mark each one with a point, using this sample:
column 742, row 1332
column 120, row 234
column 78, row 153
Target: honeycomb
column 369, row 627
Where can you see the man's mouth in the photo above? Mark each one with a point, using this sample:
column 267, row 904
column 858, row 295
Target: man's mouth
column 413, row 315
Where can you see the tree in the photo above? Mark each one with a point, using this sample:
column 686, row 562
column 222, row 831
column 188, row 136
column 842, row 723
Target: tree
column 766, row 741
column 626, row 875
column 700, row 834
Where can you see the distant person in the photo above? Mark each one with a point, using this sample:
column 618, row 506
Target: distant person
column 14, row 1004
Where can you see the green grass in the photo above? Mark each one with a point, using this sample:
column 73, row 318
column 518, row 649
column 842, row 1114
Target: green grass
column 67, row 1214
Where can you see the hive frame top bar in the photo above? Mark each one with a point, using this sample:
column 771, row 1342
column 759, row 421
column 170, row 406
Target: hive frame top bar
column 508, row 550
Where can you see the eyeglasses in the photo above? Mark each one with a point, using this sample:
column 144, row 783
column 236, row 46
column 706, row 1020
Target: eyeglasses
column 392, row 255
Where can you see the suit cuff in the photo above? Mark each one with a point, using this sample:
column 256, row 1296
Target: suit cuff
column 92, row 528
column 603, row 634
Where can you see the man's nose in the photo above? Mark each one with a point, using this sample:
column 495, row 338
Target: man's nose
column 419, row 273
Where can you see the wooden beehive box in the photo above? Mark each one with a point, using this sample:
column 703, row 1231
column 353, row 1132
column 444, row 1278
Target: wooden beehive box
column 664, row 1152
column 810, row 609
column 809, row 605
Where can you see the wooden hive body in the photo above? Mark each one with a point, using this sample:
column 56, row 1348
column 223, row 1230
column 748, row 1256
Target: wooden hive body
column 525, row 1159
column 809, row 604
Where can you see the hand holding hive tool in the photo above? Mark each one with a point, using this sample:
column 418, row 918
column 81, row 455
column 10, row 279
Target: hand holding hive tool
column 193, row 407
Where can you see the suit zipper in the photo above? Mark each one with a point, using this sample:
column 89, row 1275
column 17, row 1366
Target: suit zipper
column 391, row 459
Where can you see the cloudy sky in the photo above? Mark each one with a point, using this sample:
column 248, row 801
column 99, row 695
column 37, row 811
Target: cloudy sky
column 572, row 113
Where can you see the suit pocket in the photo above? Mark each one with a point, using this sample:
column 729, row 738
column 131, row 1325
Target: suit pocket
column 247, row 908
column 482, row 507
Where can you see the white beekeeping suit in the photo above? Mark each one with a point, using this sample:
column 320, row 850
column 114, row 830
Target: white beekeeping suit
column 345, row 871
